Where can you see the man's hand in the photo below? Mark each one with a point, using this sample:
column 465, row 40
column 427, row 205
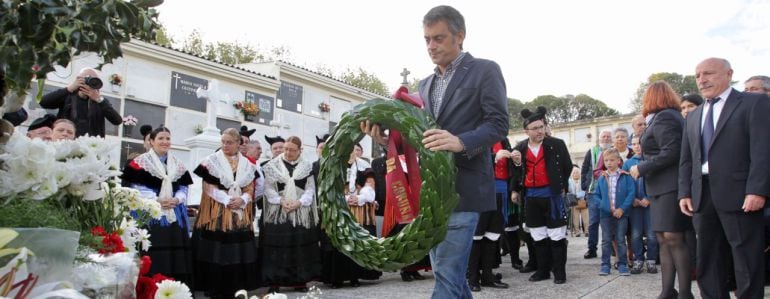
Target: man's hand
column 373, row 130
column 685, row 204
column 75, row 85
column 644, row 203
column 634, row 171
column 92, row 94
column 516, row 157
column 502, row 154
column 753, row 203
column 618, row 213
column 515, row 197
column 637, row 203
column 442, row 140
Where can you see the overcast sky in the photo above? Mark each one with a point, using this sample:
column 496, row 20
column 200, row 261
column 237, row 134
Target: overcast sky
column 604, row 49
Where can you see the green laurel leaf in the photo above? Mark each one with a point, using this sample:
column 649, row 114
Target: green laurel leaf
column 438, row 197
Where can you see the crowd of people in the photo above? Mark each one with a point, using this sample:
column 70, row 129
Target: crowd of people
column 685, row 190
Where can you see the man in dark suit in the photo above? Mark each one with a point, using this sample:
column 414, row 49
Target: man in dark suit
column 723, row 180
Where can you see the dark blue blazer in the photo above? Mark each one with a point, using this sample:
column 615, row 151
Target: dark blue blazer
column 739, row 163
column 475, row 109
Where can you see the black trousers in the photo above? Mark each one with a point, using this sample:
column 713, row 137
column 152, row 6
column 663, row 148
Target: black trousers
column 720, row 231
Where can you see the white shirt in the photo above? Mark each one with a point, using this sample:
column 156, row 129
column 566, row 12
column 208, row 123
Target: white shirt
column 717, row 111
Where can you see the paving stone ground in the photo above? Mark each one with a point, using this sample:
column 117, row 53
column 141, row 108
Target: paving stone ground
column 582, row 282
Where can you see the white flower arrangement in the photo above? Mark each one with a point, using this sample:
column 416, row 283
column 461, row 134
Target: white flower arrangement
column 170, row 289
column 38, row 170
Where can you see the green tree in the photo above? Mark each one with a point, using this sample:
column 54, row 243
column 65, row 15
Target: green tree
column 514, row 114
column 231, row 52
column 36, row 35
column 570, row 108
column 681, row 85
column 363, row 79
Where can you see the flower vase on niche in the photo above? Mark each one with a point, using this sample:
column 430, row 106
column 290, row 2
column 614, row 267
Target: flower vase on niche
column 249, row 109
column 129, row 122
column 116, row 81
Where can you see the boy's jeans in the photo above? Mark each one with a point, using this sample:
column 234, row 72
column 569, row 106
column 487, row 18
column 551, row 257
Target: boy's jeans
column 614, row 229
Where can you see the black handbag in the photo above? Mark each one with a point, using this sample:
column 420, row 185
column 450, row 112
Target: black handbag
column 571, row 200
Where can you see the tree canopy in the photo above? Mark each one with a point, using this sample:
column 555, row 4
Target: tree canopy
column 562, row 109
column 681, row 85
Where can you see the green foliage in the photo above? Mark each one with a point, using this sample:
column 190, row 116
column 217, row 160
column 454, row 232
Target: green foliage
column 363, row 79
column 231, row 52
column 36, row 35
column 563, row 109
column 36, row 213
column 681, row 85
column 438, row 197
column 514, row 114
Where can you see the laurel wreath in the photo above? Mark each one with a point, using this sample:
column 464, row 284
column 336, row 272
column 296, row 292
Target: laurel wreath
column 437, row 198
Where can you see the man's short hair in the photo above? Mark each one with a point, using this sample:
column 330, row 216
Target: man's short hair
column 765, row 81
column 448, row 14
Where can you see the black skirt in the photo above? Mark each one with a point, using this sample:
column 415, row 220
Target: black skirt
column 171, row 252
column 338, row 267
column 291, row 256
column 666, row 215
column 225, row 262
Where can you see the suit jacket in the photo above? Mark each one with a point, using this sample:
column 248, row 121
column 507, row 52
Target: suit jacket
column 661, row 145
column 475, row 109
column 558, row 165
column 739, row 162
column 91, row 124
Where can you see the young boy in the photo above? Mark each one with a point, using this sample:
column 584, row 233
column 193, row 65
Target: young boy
column 616, row 190
column 640, row 220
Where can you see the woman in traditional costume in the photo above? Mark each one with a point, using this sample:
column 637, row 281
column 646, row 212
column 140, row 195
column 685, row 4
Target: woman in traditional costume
column 159, row 175
column 223, row 238
column 289, row 239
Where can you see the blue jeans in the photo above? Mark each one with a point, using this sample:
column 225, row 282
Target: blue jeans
column 593, row 221
column 642, row 226
column 614, row 229
column 450, row 257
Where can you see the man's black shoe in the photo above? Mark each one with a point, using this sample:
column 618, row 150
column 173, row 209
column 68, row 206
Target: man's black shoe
column 416, row 275
column 517, row 264
column 406, row 276
column 536, row 277
column 495, row 284
column 527, row 268
column 475, row 288
column 559, row 281
column 590, row 254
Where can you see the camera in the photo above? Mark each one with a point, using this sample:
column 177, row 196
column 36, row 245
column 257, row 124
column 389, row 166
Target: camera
column 93, row 82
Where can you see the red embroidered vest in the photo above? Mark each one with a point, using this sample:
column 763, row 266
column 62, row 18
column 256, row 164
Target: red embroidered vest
column 501, row 166
column 536, row 171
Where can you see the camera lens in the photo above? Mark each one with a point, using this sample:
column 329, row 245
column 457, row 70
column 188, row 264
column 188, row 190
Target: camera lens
column 93, row 82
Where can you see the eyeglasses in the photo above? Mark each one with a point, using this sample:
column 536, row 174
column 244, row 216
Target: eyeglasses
column 538, row 128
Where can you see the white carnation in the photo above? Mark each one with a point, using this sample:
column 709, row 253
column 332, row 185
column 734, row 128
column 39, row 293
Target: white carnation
column 169, row 289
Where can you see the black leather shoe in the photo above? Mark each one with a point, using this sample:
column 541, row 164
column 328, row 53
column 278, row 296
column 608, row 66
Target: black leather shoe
column 475, row 288
column 416, row 275
column 301, row 289
column 559, row 281
column 273, row 290
column 517, row 265
column 590, row 254
column 336, row 285
column 354, row 283
column 528, row 268
column 495, row 284
column 405, row 276
column 537, row 277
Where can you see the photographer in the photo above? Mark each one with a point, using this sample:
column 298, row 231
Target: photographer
column 82, row 103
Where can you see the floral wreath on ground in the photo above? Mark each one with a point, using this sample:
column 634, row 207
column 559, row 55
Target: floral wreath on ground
column 437, row 197
column 247, row 108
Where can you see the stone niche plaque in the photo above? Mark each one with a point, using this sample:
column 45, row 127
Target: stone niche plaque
column 183, row 89
column 265, row 105
column 223, row 124
column 129, row 149
column 146, row 114
column 109, row 128
column 289, row 97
